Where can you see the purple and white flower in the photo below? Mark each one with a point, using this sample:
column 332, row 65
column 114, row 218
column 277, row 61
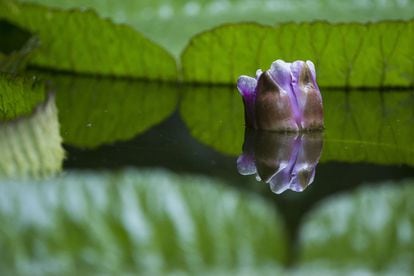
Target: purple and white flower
column 284, row 98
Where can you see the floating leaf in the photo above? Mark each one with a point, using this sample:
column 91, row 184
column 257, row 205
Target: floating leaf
column 360, row 126
column 173, row 23
column 80, row 41
column 368, row 55
column 370, row 229
column 30, row 145
column 142, row 222
column 95, row 111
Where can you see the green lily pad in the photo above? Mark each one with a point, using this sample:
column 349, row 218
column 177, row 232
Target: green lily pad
column 96, row 111
column 173, row 23
column 145, row 222
column 82, row 42
column 370, row 229
column 349, row 54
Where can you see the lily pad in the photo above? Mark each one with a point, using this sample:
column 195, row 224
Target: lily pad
column 173, row 23
column 145, row 222
column 82, row 42
column 349, row 54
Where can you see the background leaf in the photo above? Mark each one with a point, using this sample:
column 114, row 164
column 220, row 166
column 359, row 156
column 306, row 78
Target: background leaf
column 94, row 111
column 367, row 55
column 140, row 222
column 370, row 229
column 173, row 23
column 80, row 41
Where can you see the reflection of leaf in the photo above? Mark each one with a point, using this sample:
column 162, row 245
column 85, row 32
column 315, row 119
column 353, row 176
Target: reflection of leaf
column 31, row 146
column 378, row 54
column 371, row 228
column 360, row 126
column 145, row 222
column 369, row 126
column 82, row 42
column 172, row 23
column 97, row 111
column 214, row 116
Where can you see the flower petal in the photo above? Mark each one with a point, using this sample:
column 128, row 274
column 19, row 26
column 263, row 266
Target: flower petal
column 246, row 85
column 280, row 73
column 247, row 88
column 307, row 94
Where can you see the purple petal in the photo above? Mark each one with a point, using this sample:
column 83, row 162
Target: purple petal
column 307, row 94
column 247, row 88
column 280, row 72
column 246, row 85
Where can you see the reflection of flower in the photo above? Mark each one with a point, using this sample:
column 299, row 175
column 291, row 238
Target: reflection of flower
column 286, row 97
column 285, row 161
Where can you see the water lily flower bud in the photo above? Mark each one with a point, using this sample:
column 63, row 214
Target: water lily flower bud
column 284, row 98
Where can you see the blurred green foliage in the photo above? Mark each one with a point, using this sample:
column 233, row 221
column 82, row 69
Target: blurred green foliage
column 145, row 222
column 370, row 229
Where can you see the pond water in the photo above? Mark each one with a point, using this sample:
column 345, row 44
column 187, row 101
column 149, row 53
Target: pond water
column 163, row 178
